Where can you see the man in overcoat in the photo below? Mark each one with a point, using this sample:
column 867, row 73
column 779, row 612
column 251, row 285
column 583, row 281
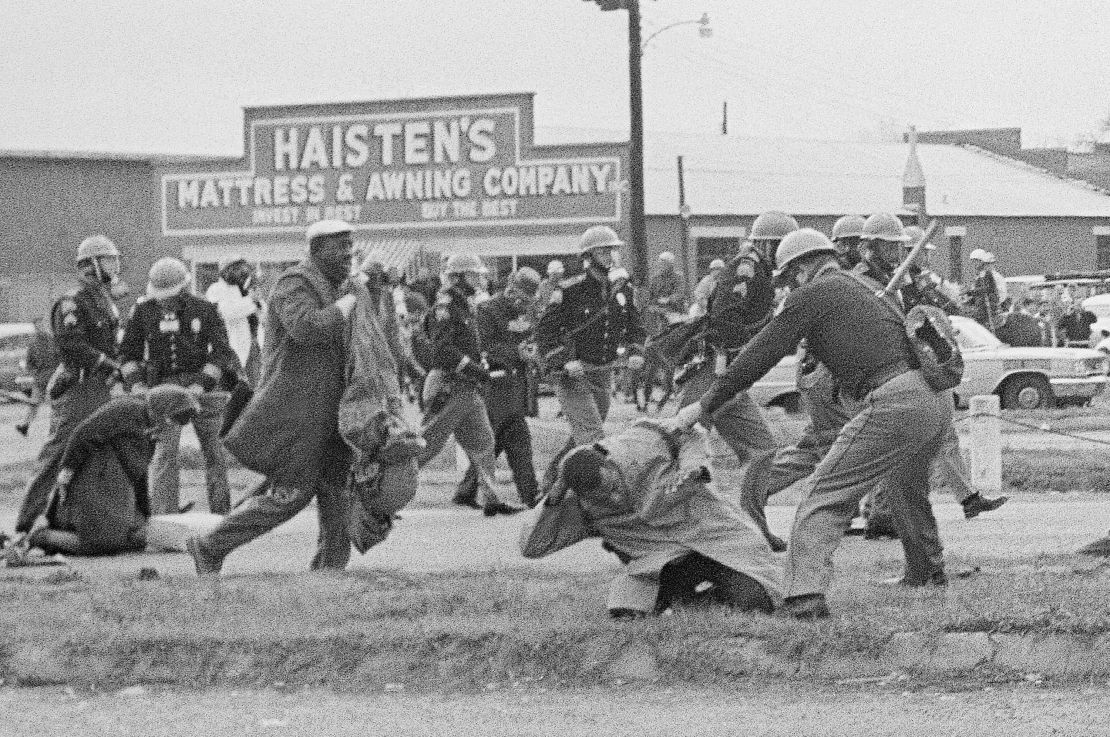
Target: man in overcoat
column 289, row 431
column 99, row 503
column 648, row 493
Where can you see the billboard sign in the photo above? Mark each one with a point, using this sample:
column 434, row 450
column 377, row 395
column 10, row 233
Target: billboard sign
column 454, row 166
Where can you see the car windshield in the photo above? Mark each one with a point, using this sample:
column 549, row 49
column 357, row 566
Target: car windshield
column 972, row 336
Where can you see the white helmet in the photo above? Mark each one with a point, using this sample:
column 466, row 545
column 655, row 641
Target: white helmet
column 599, row 236
column 978, row 254
column 555, row 268
column 168, row 277
column 716, row 264
column 799, row 243
column 461, row 263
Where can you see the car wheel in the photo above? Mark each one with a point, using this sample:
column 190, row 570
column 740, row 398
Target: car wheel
column 1027, row 392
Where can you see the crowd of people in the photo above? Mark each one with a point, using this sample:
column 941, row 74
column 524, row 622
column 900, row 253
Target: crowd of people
column 306, row 387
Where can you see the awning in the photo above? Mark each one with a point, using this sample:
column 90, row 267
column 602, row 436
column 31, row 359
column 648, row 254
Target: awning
column 399, row 252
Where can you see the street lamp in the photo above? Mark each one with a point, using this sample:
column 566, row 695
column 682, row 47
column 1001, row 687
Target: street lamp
column 705, row 31
column 636, row 125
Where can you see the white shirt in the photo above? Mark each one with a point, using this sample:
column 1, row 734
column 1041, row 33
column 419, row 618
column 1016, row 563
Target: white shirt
column 234, row 308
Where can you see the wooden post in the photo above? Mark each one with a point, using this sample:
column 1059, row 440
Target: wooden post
column 986, row 445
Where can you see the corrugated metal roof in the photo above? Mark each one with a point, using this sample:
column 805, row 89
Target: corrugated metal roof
column 745, row 176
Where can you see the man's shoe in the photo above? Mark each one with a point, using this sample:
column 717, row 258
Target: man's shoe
column 809, row 607
column 467, row 500
column 22, row 428
column 937, row 579
column 205, row 563
column 186, row 507
column 976, row 504
column 495, row 508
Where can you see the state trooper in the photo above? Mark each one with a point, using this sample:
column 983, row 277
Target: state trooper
column 505, row 328
column 845, row 236
column 175, row 337
column 884, row 239
column 85, row 322
column 587, row 325
column 897, row 428
column 741, row 304
column 453, row 403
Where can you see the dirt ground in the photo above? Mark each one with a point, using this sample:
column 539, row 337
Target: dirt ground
column 755, row 709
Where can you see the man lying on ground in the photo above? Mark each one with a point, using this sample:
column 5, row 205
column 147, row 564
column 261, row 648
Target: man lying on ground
column 649, row 495
column 99, row 505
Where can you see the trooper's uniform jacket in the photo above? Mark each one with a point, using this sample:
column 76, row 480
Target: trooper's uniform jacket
column 503, row 327
column 742, row 302
column 587, row 321
column 85, row 322
column 453, row 331
column 183, row 341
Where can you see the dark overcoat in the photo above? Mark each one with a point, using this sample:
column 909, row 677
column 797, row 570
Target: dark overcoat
column 289, row 431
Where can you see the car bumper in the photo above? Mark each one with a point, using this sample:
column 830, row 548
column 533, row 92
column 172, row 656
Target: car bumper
column 1080, row 386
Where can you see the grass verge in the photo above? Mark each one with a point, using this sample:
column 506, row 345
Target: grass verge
column 367, row 630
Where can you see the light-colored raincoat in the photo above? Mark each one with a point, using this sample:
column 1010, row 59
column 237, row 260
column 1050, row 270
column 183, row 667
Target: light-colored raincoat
column 370, row 420
column 669, row 509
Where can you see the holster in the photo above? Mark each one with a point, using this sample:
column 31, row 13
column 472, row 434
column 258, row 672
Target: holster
column 60, row 382
column 437, row 390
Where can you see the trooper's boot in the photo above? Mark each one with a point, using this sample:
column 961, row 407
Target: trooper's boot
column 496, row 507
column 936, row 579
column 467, row 499
column 809, row 607
column 976, row 504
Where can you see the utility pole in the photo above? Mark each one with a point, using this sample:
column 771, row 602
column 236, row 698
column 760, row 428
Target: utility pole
column 636, row 146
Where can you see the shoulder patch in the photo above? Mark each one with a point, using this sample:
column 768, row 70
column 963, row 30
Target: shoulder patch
column 572, row 281
column 745, row 269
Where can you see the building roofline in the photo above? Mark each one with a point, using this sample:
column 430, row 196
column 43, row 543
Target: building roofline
column 63, row 155
column 1018, row 163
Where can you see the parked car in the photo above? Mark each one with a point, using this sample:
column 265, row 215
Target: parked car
column 15, row 338
column 1023, row 378
column 1026, row 378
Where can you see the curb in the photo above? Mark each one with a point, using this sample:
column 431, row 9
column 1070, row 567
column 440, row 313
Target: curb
column 616, row 657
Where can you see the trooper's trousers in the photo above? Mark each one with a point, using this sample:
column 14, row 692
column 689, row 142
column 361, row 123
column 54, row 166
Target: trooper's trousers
column 511, row 436
column 462, row 413
column 896, row 435
column 585, row 403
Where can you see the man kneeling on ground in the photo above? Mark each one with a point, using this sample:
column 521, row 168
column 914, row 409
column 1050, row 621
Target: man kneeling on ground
column 99, row 505
column 648, row 494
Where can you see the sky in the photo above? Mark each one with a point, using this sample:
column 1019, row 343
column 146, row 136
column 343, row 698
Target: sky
column 149, row 76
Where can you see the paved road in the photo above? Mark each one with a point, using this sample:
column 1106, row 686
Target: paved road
column 440, row 540
column 754, row 709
